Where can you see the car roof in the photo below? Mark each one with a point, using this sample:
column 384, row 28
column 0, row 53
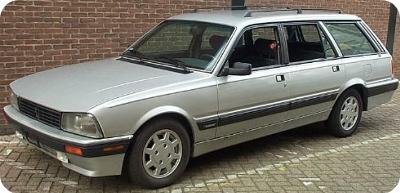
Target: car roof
column 240, row 18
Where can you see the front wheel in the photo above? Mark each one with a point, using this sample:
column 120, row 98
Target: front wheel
column 346, row 114
column 159, row 154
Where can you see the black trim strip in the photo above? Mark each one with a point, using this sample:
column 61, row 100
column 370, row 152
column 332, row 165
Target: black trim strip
column 312, row 101
column 207, row 123
column 263, row 111
column 44, row 141
column 252, row 114
column 377, row 90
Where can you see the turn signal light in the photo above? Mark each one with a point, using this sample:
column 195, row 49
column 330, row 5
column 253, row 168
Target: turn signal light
column 113, row 148
column 73, row 150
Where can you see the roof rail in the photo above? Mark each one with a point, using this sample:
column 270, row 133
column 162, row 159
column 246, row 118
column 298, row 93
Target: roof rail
column 220, row 8
column 321, row 9
column 258, row 9
column 298, row 10
column 250, row 12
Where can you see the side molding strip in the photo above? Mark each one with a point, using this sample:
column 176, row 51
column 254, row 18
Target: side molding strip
column 245, row 115
column 207, row 123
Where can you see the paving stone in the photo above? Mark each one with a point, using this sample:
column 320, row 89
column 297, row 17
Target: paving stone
column 305, row 159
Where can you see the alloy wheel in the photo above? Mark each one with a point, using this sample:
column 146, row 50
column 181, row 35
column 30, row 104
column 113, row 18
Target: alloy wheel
column 162, row 153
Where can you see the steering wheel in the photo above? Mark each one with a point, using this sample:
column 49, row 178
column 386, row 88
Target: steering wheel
column 207, row 57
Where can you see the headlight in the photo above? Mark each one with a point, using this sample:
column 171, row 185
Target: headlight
column 13, row 99
column 81, row 124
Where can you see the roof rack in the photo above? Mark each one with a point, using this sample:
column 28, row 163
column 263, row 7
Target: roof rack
column 258, row 9
column 221, row 8
column 321, row 9
column 298, row 10
column 250, row 12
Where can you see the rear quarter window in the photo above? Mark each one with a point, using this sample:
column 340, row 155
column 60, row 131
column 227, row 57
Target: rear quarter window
column 350, row 39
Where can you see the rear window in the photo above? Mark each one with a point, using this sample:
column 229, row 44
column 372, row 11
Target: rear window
column 350, row 39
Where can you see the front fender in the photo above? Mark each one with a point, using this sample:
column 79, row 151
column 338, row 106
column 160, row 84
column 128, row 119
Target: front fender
column 162, row 111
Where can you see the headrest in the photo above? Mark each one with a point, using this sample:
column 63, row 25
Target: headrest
column 216, row 41
column 265, row 47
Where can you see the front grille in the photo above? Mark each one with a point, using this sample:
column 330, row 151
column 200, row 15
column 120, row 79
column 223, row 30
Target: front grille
column 40, row 113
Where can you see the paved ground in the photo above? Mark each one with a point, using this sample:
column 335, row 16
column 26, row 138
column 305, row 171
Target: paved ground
column 302, row 160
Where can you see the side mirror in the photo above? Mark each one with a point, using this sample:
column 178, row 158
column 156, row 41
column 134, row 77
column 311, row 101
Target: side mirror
column 238, row 68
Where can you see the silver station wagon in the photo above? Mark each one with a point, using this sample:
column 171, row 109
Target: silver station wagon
column 203, row 81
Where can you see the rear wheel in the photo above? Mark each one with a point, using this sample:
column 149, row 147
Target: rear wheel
column 346, row 114
column 159, row 154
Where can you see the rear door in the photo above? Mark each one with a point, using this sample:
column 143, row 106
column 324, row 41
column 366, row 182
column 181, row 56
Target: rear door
column 315, row 73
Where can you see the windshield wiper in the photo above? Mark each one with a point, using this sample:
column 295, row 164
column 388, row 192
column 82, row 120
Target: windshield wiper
column 140, row 59
column 174, row 62
column 140, row 56
column 133, row 52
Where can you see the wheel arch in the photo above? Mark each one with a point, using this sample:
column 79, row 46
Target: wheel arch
column 359, row 85
column 159, row 113
column 168, row 112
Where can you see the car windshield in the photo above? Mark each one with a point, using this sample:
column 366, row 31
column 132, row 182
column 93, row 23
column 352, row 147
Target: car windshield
column 184, row 44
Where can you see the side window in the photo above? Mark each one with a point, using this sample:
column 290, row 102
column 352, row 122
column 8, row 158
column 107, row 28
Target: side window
column 264, row 33
column 310, row 33
column 259, row 46
column 350, row 39
column 307, row 42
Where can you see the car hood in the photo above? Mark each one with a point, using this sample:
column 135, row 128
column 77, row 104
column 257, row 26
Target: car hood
column 80, row 87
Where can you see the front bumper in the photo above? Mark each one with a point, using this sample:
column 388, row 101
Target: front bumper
column 96, row 159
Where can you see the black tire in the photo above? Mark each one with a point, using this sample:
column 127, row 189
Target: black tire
column 334, row 121
column 135, row 166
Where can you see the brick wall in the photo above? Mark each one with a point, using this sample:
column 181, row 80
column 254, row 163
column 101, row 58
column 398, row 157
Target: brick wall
column 36, row 35
column 42, row 34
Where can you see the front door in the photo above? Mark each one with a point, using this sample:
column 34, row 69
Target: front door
column 256, row 100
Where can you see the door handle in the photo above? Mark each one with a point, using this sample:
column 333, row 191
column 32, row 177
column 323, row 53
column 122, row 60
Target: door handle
column 335, row 68
column 280, row 78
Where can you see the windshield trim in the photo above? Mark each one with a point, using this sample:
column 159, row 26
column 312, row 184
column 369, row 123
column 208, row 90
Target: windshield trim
column 155, row 64
column 148, row 34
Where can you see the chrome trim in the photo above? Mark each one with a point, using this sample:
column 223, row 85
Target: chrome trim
column 206, row 117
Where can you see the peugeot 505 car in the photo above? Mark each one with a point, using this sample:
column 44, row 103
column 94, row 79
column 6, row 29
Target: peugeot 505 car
column 199, row 82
